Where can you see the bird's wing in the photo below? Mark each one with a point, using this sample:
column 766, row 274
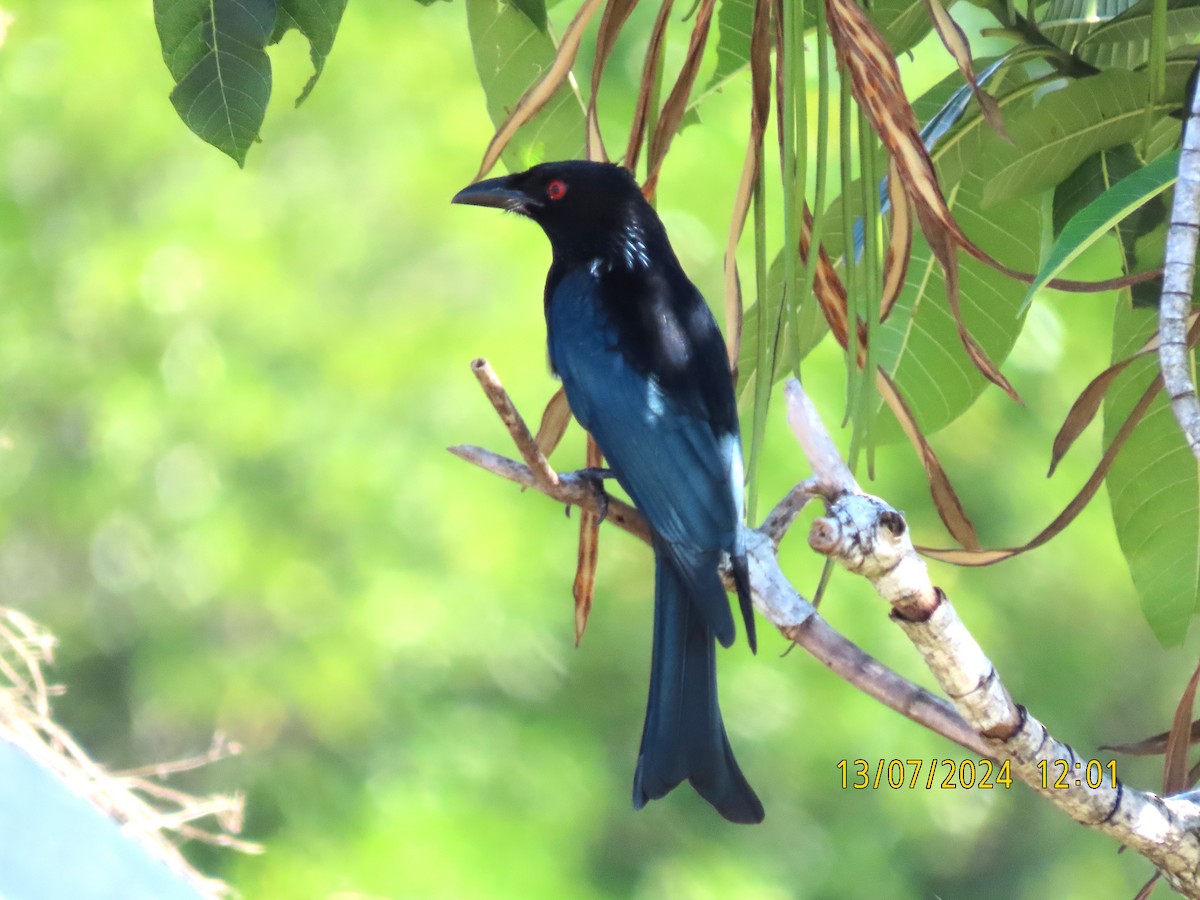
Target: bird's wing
column 671, row 463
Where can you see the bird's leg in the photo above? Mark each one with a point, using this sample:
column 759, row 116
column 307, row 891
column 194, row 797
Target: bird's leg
column 595, row 476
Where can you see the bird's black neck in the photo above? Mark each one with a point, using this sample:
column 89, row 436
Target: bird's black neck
column 625, row 240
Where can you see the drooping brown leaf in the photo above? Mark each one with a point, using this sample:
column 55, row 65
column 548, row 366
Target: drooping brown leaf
column 616, row 13
column 829, row 290
column 1175, row 760
column 1087, row 404
column 555, row 419
column 760, row 109
column 956, row 42
column 945, row 498
column 899, row 250
column 982, row 362
column 589, row 553
column 641, row 113
column 675, row 105
column 1153, row 745
column 585, row 572
column 875, row 83
column 538, row 94
column 1067, row 284
column 1148, row 887
column 1084, row 409
column 1064, row 518
column 864, row 54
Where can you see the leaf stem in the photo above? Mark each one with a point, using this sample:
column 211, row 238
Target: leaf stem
column 764, row 372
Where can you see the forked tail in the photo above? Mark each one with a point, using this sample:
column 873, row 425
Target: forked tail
column 684, row 736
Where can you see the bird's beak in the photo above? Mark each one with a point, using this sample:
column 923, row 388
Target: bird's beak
column 496, row 192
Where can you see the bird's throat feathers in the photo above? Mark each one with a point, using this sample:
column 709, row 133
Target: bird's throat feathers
column 626, row 245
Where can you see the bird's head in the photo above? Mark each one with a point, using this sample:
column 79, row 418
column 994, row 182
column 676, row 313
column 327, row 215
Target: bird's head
column 589, row 210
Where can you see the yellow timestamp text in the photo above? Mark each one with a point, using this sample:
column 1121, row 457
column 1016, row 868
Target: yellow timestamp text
column 1058, row 774
column 926, row 774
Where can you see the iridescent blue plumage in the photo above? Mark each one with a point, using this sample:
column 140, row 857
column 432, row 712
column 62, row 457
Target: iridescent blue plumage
column 644, row 369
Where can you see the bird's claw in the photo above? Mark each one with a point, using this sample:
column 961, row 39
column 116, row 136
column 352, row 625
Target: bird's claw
column 596, row 475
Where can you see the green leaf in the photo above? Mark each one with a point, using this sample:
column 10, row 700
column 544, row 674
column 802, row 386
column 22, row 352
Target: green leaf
column 734, row 21
column 1065, row 127
column 954, row 108
column 318, row 21
column 1162, row 136
column 812, row 328
column 534, row 11
column 1067, row 22
column 1095, row 175
column 1124, row 42
column 1141, row 235
column 959, row 146
column 919, row 343
column 1097, row 218
column 903, row 22
column 1180, row 63
column 1153, row 489
column 215, row 52
column 510, row 55
column 1146, row 251
column 735, row 18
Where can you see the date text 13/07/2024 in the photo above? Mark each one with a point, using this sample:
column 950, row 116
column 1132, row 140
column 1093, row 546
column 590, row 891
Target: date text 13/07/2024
column 984, row 774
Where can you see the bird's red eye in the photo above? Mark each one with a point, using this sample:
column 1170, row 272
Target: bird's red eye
column 556, row 189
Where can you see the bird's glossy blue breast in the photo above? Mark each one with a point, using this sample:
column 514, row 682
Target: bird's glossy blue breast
column 582, row 342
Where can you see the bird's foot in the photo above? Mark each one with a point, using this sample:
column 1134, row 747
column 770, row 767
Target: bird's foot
column 595, row 476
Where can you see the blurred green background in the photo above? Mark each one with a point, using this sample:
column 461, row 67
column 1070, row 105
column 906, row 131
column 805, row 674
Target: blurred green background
column 224, row 401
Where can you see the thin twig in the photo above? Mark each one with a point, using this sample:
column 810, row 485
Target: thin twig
column 530, row 451
column 571, row 488
column 220, row 748
column 780, row 519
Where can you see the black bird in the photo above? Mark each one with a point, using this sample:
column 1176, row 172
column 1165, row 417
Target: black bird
column 645, row 372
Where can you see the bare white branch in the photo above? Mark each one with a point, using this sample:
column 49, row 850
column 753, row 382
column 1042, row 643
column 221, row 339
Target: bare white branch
column 831, row 475
column 869, row 537
column 1179, row 269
